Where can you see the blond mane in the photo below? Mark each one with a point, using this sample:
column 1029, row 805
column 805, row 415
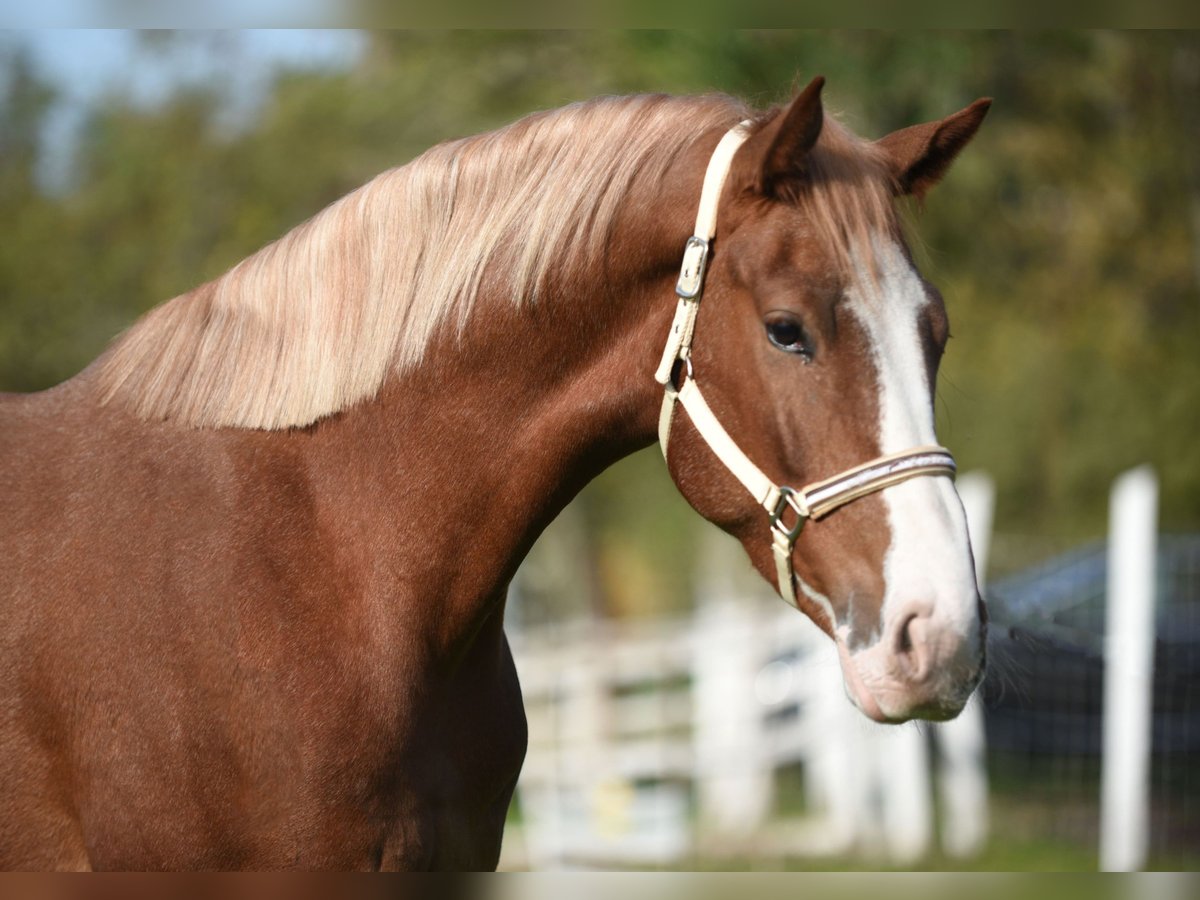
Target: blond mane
column 317, row 320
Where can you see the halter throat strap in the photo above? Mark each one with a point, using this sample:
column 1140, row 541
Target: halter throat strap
column 788, row 509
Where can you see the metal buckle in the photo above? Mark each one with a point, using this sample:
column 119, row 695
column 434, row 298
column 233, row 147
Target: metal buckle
column 691, row 273
column 786, row 495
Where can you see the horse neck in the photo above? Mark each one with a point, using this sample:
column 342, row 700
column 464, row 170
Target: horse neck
column 456, row 467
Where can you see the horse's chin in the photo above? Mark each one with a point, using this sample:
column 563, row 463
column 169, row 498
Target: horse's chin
column 856, row 689
column 893, row 704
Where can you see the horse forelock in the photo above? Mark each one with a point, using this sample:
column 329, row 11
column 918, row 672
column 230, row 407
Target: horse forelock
column 317, row 321
column 846, row 196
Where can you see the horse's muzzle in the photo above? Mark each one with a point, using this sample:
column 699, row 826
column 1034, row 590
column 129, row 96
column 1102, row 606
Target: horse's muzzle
column 922, row 667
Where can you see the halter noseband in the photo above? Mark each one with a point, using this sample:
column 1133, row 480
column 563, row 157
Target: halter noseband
column 788, row 508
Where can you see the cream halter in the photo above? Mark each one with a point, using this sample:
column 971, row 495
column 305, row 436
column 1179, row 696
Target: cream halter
column 813, row 501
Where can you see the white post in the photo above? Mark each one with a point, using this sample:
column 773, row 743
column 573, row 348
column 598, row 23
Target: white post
column 1128, row 671
column 839, row 780
column 978, row 494
column 734, row 785
column 961, row 743
column 902, row 769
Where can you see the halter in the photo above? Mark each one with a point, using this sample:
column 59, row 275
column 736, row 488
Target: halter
column 787, row 508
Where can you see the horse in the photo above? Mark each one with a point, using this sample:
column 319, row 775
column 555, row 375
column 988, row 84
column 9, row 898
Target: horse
column 255, row 556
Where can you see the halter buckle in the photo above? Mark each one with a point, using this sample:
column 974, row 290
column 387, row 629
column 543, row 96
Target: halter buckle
column 691, row 273
column 787, row 499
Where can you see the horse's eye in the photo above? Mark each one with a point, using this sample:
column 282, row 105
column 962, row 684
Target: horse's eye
column 786, row 333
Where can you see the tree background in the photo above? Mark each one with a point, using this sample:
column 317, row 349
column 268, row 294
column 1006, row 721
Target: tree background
column 1066, row 239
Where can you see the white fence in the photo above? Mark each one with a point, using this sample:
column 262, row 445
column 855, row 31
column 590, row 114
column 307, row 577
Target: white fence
column 625, row 724
column 653, row 743
column 657, row 743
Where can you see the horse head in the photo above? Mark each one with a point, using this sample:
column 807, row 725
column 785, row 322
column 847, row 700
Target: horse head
column 817, row 347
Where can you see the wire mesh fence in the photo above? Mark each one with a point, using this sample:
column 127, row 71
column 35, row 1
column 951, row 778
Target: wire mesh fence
column 1044, row 696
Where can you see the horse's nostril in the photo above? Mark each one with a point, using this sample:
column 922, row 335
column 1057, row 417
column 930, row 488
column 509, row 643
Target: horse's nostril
column 904, row 643
column 909, row 639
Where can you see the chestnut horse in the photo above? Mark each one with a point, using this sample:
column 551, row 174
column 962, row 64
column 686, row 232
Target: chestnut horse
column 253, row 560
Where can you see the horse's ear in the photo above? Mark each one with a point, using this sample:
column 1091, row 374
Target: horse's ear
column 778, row 151
column 920, row 155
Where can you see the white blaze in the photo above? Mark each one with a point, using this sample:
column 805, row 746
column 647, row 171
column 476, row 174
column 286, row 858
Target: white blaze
column 929, row 559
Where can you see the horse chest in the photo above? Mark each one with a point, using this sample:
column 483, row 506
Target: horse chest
column 262, row 748
column 414, row 772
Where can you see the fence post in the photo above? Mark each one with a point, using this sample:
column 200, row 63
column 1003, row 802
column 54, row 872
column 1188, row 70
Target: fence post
column 838, row 764
column 902, row 772
column 961, row 743
column 734, row 785
column 1128, row 671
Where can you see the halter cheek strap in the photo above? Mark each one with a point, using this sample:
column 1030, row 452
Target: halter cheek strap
column 788, row 508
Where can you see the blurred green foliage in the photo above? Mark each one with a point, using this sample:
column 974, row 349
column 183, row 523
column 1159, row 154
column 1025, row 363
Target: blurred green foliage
column 1066, row 240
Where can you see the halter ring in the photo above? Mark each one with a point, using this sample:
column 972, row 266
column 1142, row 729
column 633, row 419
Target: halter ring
column 794, row 499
